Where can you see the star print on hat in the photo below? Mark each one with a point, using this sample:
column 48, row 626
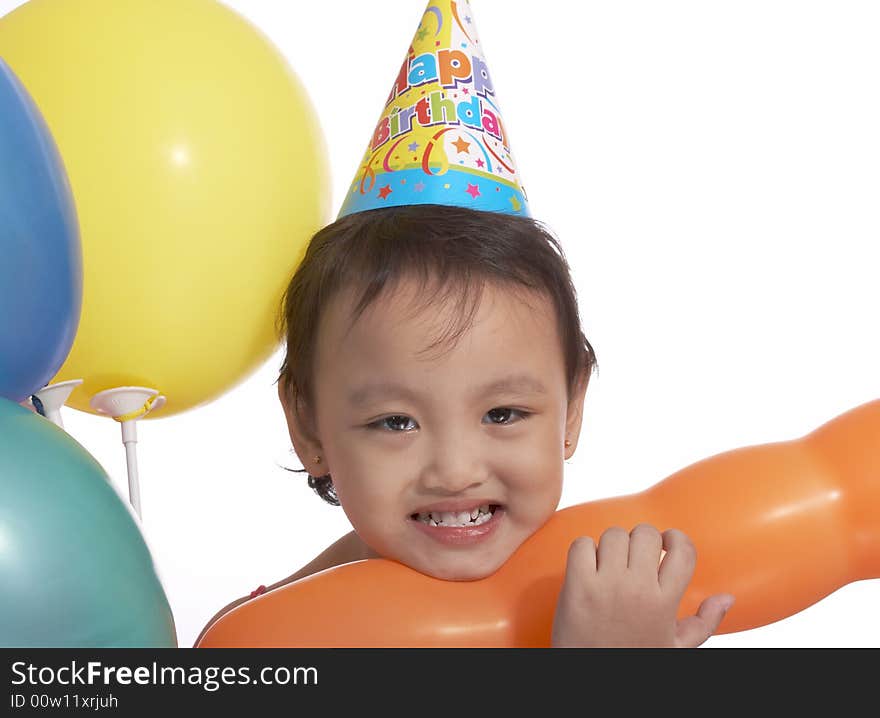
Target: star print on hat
column 440, row 139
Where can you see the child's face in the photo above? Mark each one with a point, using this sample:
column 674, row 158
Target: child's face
column 405, row 430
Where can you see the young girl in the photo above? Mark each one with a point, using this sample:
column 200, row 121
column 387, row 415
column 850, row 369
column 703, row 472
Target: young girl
column 433, row 386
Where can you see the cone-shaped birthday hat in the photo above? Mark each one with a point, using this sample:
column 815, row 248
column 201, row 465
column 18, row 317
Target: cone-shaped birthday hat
column 440, row 139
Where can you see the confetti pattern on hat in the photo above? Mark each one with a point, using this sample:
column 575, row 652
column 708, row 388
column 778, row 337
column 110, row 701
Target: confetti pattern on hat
column 441, row 139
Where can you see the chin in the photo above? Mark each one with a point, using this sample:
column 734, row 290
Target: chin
column 461, row 573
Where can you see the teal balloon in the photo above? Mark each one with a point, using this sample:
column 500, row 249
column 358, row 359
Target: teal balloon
column 75, row 571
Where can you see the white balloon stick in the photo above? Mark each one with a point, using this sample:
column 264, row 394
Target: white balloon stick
column 127, row 404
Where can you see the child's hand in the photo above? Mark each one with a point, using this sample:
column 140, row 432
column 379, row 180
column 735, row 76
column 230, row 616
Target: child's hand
column 615, row 596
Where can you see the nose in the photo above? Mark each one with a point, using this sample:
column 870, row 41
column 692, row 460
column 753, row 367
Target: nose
column 453, row 464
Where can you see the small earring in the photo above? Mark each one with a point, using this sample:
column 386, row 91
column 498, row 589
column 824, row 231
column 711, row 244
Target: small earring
column 317, row 459
column 567, row 443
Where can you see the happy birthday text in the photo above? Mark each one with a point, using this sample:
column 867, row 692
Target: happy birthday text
column 451, row 69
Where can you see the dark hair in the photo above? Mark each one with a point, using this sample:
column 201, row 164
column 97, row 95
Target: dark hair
column 453, row 252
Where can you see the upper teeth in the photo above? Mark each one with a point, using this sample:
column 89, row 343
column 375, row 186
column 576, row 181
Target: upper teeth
column 457, row 518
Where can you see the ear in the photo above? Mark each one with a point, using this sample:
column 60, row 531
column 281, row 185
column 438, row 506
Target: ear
column 302, row 434
column 575, row 414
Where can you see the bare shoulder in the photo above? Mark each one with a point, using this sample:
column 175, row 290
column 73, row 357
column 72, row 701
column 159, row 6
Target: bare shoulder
column 347, row 549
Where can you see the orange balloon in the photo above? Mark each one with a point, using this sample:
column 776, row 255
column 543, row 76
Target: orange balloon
column 780, row 526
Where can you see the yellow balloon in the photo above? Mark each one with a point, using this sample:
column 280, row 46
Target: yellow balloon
column 199, row 172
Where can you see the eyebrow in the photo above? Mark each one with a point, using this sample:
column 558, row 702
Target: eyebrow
column 514, row 384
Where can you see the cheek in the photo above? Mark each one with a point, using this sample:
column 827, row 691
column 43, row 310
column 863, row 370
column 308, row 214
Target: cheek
column 365, row 474
column 534, row 465
column 367, row 452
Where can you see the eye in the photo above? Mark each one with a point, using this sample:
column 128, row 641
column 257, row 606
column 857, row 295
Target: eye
column 396, row 423
column 504, row 415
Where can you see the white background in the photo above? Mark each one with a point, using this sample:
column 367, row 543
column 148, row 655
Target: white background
column 713, row 171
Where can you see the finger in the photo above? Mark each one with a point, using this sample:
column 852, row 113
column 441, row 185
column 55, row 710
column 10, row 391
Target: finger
column 695, row 630
column 581, row 566
column 613, row 551
column 678, row 565
column 645, row 545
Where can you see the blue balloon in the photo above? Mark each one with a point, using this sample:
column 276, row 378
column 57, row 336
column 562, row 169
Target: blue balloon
column 75, row 571
column 40, row 254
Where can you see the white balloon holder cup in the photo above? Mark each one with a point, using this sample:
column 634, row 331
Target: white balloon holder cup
column 52, row 397
column 127, row 404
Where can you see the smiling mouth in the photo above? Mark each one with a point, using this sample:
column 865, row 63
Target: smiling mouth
column 474, row 517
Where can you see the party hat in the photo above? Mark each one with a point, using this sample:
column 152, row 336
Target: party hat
column 440, row 139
